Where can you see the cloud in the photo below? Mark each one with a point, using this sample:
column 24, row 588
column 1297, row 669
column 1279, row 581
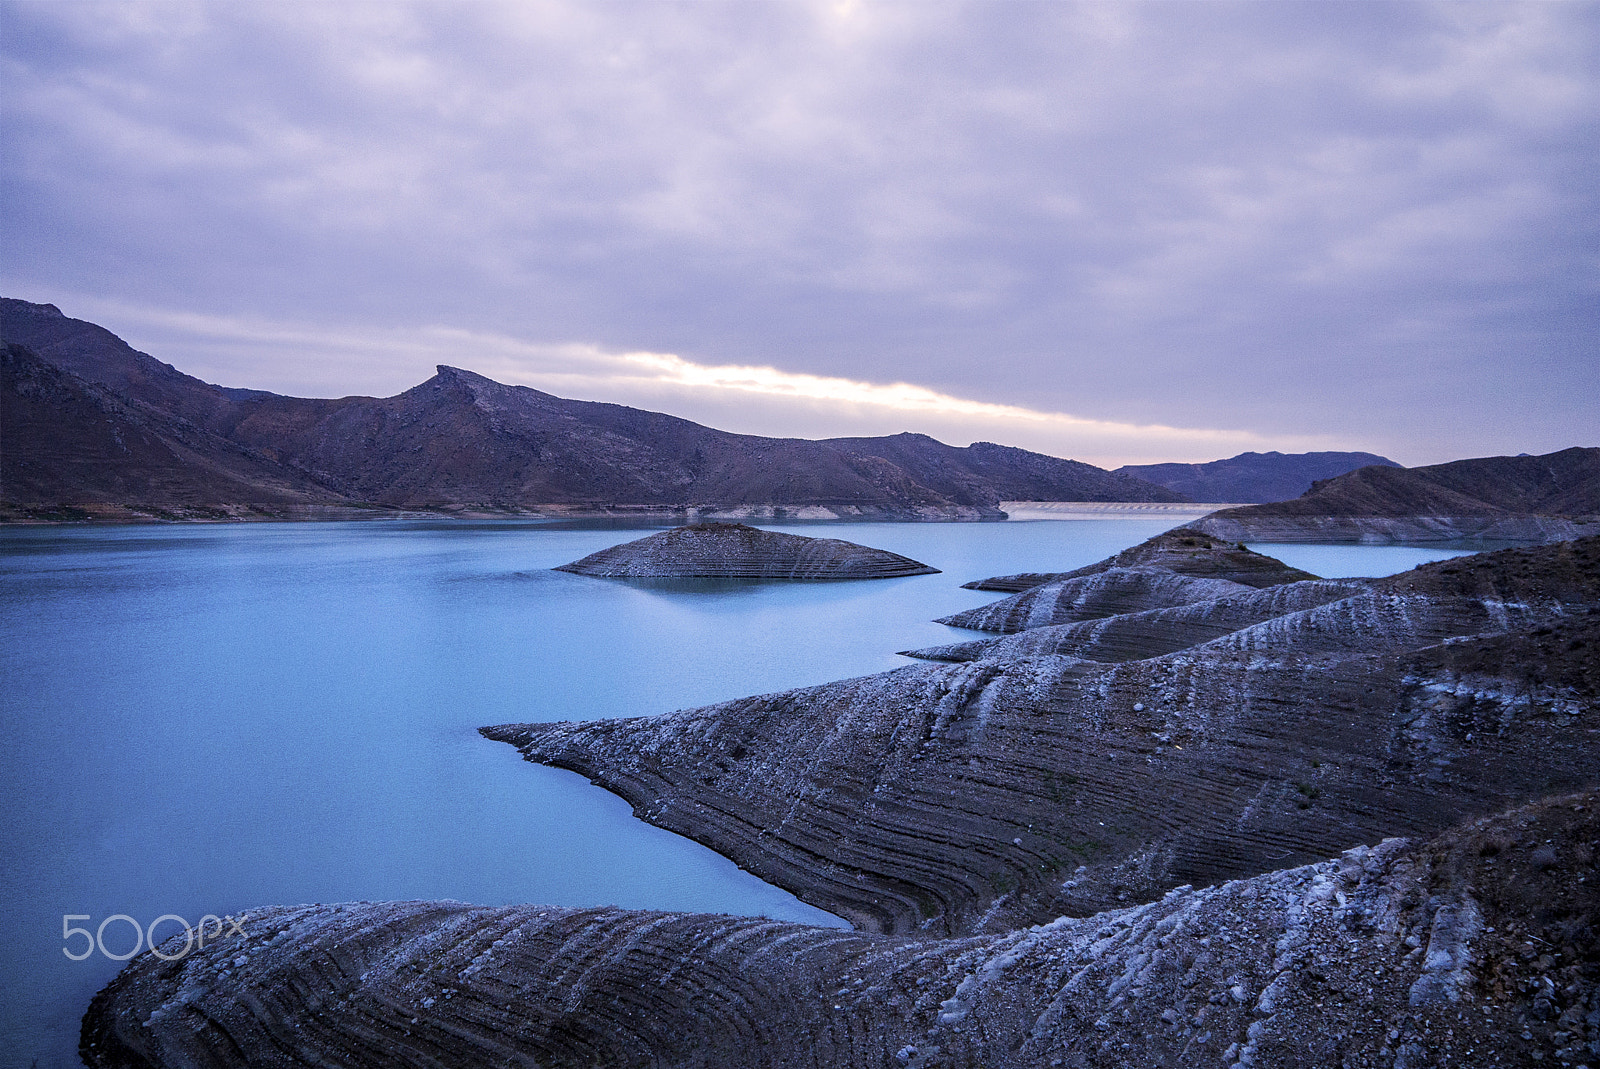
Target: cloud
column 1369, row 222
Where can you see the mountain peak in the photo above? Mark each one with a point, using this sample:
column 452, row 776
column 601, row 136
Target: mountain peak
column 446, row 372
column 15, row 304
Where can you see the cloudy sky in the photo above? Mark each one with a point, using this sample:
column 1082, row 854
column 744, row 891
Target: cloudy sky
column 1117, row 232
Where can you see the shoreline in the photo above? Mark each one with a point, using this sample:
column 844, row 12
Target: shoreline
column 104, row 513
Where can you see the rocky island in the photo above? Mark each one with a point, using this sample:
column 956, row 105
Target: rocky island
column 737, row 551
column 1313, row 823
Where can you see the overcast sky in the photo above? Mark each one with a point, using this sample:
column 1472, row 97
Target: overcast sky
column 1116, row 232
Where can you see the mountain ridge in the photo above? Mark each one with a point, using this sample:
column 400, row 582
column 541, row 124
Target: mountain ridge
column 460, row 440
column 1253, row 478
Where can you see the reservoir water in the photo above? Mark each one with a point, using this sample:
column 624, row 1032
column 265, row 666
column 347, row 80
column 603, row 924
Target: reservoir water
column 201, row 719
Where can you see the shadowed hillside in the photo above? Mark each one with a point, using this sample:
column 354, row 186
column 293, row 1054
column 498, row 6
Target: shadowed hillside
column 1512, row 498
column 1253, row 477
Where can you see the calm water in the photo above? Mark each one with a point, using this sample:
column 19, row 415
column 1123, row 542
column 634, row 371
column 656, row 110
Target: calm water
column 204, row 719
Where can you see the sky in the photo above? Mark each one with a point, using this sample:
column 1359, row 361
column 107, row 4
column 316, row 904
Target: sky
column 1121, row 233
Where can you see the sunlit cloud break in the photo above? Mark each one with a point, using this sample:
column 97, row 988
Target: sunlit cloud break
column 753, row 399
column 903, row 397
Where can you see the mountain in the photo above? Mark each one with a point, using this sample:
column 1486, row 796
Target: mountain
column 456, row 441
column 1015, row 474
column 1253, row 477
column 60, row 430
column 1522, row 498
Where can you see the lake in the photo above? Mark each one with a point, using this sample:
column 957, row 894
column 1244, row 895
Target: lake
column 201, row 719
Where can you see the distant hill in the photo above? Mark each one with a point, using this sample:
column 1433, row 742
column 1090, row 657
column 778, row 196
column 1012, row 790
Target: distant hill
column 1015, row 474
column 88, row 420
column 1253, row 477
column 1522, row 498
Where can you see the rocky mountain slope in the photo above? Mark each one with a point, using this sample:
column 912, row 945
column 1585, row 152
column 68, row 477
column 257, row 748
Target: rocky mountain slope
column 460, row 440
column 1532, row 499
column 1253, row 477
column 1018, row 840
column 57, row 428
column 735, row 551
column 1014, row 474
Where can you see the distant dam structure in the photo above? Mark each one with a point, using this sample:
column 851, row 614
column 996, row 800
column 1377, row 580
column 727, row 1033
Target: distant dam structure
column 1110, row 510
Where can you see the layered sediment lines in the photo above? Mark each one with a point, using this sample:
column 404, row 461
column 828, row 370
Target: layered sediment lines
column 736, row 551
column 1183, row 550
column 1474, row 949
column 977, row 797
column 1140, row 634
column 1113, row 592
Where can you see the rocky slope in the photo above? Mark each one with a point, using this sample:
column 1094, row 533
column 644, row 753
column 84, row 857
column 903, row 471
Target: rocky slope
column 58, row 428
column 1526, row 499
column 1113, row 592
column 460, row 440
column 1143, row 633
column 735, row 551
column 1253, row 477
column 1477, row 948
column 984, row 468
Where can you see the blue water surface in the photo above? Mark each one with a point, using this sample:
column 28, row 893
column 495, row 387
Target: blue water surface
column 202, row 719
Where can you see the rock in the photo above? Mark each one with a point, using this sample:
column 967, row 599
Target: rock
column 1306, row 966
column 735, row 551
column 1132, row 635
column 1113, row 592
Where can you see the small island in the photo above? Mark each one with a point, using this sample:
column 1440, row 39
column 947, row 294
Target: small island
column 737, row 551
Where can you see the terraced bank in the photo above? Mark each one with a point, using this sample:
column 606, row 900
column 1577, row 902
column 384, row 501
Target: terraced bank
column 1473, row 949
